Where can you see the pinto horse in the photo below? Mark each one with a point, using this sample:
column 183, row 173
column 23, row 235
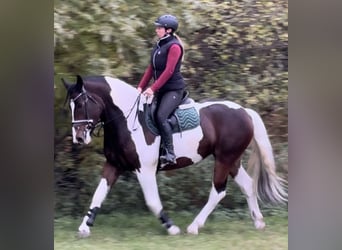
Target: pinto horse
column 225, row 131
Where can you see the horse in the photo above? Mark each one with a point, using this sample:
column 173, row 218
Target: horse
column 225, row 130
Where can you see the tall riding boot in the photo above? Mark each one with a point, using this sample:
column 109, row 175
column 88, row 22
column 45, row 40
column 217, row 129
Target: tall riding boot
column 166, row 137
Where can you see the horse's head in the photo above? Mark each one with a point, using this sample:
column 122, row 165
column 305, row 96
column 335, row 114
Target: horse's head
column 85, row 109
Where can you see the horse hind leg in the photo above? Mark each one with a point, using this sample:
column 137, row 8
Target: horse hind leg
column 109, row 177
column 245, row 183
column 214, row 198
column 217, row 193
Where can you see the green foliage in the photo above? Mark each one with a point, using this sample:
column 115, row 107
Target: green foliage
column 234, row 50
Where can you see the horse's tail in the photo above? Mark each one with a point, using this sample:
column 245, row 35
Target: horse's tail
column 267, row 185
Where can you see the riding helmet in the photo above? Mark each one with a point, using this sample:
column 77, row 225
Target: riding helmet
column 167, row 21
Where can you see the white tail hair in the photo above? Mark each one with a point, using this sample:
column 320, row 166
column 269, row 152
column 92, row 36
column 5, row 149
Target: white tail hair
column 267, row 185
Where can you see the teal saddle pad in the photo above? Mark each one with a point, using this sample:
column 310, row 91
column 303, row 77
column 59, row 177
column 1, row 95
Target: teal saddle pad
column 181, row 120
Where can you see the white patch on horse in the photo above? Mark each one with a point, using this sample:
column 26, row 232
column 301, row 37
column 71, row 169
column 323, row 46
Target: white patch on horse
column 124, row 96
column 98, row 197
column 199, row 221
column 148, row 182
column 245, row 182
column 100, row 193
column 148, row 154
column 87, row 139
column 72, row 108
column 186, row 144
column 125, row 99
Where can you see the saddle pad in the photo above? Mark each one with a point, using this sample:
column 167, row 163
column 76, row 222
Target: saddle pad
column 181, row 120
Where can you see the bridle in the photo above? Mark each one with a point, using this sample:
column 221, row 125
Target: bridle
column 88, row 122
column 90, row 125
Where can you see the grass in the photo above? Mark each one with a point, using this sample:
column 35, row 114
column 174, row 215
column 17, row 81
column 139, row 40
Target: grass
column 140, row 232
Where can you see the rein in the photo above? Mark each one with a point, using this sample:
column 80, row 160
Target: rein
column 136, row 103
column 102, row 124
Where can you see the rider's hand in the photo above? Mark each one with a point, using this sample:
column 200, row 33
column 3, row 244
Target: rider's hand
column 139, row 90
column 148, row 92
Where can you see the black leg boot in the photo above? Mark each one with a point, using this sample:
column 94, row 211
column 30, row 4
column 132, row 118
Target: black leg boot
column 166, row 137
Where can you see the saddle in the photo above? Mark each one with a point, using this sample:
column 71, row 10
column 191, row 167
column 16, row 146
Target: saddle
column 185, row 116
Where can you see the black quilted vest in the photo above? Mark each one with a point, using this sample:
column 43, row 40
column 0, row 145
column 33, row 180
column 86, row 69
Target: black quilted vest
column 158, row 61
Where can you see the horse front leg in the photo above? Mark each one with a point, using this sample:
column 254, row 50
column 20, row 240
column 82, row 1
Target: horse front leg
column 148, row 183
column 109, row 176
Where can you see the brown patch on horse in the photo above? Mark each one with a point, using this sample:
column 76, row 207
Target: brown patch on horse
column 227, row 134
column 111, row 173
column 225, row 130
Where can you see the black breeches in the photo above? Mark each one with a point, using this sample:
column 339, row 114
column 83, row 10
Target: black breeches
column 166, row 103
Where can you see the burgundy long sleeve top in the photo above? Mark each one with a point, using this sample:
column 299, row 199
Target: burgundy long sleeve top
column 172, row 59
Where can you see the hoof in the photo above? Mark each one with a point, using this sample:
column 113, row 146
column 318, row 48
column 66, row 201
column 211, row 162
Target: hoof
column 174, row 230
column 83, row 231
column 192, row 229
column 83, row 234
column 260, row 224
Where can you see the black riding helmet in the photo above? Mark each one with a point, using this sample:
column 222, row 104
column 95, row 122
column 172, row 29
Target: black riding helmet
column 167, row 21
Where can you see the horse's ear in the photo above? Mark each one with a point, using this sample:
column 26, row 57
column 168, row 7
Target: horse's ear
column 79, row 83
column 66, row 85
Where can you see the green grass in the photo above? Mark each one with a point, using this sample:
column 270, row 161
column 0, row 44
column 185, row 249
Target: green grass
column 144, row 232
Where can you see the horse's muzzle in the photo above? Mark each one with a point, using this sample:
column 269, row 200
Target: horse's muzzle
column 80, row 139
column 81, row 135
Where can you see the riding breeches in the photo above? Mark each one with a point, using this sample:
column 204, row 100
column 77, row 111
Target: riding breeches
column 167, row 102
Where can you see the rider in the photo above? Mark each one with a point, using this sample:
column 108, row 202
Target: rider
column 168, row 86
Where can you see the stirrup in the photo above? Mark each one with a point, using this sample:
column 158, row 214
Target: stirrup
column 168, row 159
